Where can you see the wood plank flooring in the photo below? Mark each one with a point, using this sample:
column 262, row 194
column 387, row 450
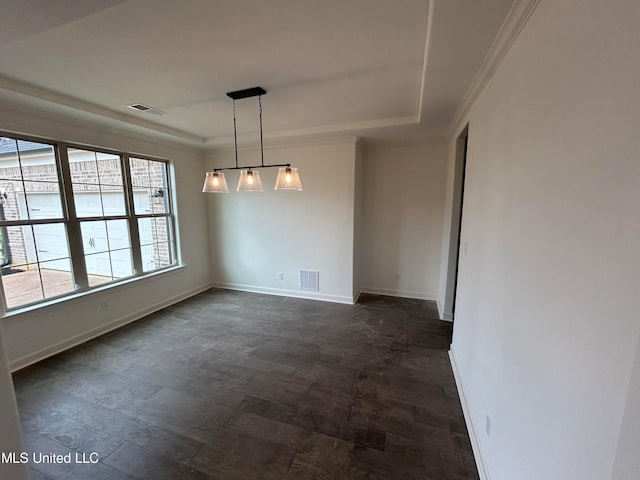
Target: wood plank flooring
column 232, row 385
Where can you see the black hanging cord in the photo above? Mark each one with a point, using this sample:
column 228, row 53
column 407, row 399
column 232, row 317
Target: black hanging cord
column 261, row 145
column 235, row 132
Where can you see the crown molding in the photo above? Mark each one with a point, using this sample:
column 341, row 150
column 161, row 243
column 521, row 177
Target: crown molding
column 21, row 119
column 516, row 19
column 425, row 58
column 32, row 91
column 434, row 139
column 292, row 142
column 313, row 133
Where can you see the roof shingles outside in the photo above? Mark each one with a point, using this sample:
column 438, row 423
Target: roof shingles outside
column 8, row 146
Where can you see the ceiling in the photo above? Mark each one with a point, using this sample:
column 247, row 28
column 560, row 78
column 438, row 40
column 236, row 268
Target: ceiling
column 374, row 68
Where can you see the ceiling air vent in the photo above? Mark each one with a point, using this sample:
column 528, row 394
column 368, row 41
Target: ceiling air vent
column 141, row 107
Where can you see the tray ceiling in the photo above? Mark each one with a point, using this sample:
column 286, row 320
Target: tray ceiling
column 365, row 67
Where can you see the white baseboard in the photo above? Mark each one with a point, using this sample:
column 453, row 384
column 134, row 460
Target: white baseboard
column 285, row 293
column 356, row 297
column 445, row 316
column 483, row 471
column 32, row 358
column 400, row 293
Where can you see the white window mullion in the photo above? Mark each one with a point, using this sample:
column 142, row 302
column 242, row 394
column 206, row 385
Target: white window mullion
column 134, row 236
column 74, row 232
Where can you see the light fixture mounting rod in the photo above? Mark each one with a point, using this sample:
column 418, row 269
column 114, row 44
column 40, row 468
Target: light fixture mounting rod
column 235, row 132
column 249, row 167
column 261, row 144
column 247, row 92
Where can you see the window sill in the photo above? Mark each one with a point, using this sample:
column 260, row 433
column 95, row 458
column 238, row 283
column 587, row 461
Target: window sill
column 69, row 300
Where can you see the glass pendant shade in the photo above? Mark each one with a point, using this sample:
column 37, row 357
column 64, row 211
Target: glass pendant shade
column 214, row 182
column 249, row 181
column 288, row 179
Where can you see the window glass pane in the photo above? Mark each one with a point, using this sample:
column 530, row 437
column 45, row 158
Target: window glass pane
column 24, row 160
column 38, row 161
column 139, row 172
column 9, row 163
column 56, row 277
column 36, row 263
column 41, row 201
column 12, row 203
column 4, row 247
column 154, row 230
column 107, row 250
column 29, row 186
column 148, row 257
column 94, row 237
column 109, row 169
column 22, row 285
column 88, row 200
column 19, row 246
column 121, row 263
column 158, row 200
column 113, row 203
column 142, row 201
column 156, row 244
column 101, row 235
column 163, row 229
column 83, row 166
column 98, row 268
column 163, row 255
column 51, row 244
column 157, row 174
column 146, row 230
column 118, row 231
column 149, row 179
column 97, row 183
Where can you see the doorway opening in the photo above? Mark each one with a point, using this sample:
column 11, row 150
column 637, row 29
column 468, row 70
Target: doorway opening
column 456, row 224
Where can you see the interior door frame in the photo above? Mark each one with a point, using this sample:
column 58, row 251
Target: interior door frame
column 457, row 206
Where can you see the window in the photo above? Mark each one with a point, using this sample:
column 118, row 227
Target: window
column 73, row 218
column 151, row 202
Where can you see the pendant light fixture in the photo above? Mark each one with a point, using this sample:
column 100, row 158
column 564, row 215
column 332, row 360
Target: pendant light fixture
column 249, row 181
column 215, row 182
column 288, row 178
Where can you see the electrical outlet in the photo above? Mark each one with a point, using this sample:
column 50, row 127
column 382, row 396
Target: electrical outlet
column 104, row 306
column 280, row 276
column 397, row 277
column 487, row 425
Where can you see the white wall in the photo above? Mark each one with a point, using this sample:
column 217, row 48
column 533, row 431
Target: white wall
column 34, row 335
column 358, row 220
column 627, row 463
column 546, row 325
column 404, row 198
column 256, row 235
column 11, row 437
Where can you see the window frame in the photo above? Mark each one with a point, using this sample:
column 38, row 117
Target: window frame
column 72, row 223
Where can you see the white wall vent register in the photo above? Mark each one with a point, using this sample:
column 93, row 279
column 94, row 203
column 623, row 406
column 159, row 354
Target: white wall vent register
column 309, row 280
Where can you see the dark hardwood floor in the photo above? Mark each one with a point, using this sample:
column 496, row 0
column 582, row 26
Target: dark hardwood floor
column 230, row 385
